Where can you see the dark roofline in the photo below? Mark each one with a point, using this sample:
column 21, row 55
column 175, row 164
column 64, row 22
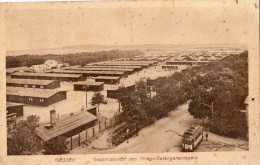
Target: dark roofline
column 11, row 104
column 47, row 75
column 30, row 81
column 31, row 92
column 63, row 125
column 89, row 83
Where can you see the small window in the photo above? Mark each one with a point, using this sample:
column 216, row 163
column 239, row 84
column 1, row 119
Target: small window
column 26, row 86
column 30, row 99
column 41, row 86
column 33, row 86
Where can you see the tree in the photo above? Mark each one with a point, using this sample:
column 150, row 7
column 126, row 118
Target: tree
column 198, row 110
column 32, row 122
column 97, row 99
column 120, row 95
column 55, row 146
column 22, row 140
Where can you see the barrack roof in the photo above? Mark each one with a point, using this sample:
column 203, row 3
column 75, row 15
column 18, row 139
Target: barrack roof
column 65, row 124
column 90, row 83
column 125, row 63
column 48, row 75
column 101, row 66
column 121, row 64
column 85, row 72
column 29, row 81
column 106, row 77
column 11, row 104
column 31, row 92
column 103, row 69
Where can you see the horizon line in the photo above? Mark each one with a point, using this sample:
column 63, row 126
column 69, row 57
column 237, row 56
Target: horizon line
column 119, row 45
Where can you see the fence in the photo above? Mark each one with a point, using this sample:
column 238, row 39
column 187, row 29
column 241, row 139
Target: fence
column 89, row 134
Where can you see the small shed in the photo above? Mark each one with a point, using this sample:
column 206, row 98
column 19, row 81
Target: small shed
column 91, row 86
column 114, row 92
column 107, row 79
column 14, row 108
column 67, row 126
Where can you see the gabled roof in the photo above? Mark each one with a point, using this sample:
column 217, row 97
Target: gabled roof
column 47, row 75
column 29, row 81
column 90, row 83
column 106, row 77
column 11, row 104
column 65, row 124
column 85, row 72
column 31, row 92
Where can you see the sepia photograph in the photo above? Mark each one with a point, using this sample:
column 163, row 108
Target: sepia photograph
column 165, row 81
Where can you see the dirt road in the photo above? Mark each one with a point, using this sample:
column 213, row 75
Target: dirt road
column 155, row 138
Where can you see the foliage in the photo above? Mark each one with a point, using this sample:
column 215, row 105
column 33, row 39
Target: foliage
column 224, row 83
column 55, row 146
column 32, row 122
column 22, row 140
column 73, row 59
column 221, row 84
column 97, row 99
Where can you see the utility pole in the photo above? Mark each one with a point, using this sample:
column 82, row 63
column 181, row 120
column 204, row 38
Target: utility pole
column 211, row 108
column 86, row 89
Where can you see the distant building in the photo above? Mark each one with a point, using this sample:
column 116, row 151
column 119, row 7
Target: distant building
column 169, row 67
column 27, row 83
column 36, row 97
column 114, row 92
column 107, row 79
column 10, row 121
column 17, row 69
column 40, row 68
column 49, row 64
column 49, row 76
column 14, row 108
column 91, row 86
column 52, row 63
column 90, row 72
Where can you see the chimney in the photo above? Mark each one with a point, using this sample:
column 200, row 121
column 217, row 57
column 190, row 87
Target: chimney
column 52, row 117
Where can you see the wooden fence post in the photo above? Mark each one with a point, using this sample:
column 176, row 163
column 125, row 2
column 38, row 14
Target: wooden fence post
column 93, row 131
column 86, row 135
column 105, row 123
column 79, row 138
column 71, row 143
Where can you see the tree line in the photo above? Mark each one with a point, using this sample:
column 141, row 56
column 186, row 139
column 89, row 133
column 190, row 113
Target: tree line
column 215, row 91
column 73, row 59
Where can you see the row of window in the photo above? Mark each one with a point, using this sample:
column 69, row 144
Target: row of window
column 31, row 99
column 34, row 86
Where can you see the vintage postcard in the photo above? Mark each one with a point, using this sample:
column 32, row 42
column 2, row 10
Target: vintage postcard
column 129, row 82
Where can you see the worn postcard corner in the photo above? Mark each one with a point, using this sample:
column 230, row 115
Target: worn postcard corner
column 129, row 82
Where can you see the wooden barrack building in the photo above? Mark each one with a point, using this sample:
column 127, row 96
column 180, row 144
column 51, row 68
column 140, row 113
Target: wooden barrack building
column 38, row 97
column 91, row 86
column 49, row 76
column 31, row 83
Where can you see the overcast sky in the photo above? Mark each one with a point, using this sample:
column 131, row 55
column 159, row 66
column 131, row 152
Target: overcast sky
column 49, row 28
